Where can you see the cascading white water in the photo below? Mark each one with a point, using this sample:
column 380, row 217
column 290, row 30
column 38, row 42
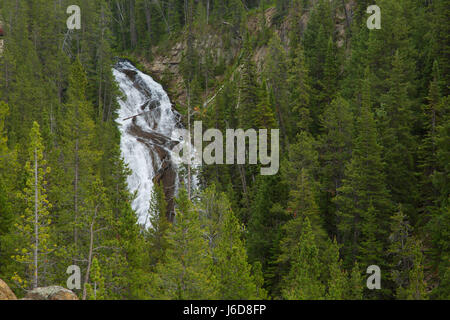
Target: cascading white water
column 148, row 124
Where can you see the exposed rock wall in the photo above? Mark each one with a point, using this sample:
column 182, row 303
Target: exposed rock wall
column 5, row 292
column 51, row 293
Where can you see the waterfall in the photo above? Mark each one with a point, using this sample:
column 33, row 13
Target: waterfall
column 148, row 125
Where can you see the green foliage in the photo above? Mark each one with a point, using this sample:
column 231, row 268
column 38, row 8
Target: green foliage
column 33, row 225
column 364, row 123
column 363, row 199
column 231, row 267
column 160, row 225
column 298, row 83
column 186, row 270
column 335, row 152
column 355, row 284
column 337, row 284
column 248, row 94
column 303, row 281
column 96, row 291
column 407, row 260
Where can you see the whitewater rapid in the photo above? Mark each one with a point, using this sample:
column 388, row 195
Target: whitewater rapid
column 148, row 134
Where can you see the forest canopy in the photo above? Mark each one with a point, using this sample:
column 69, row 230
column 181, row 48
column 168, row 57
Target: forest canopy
column 363, row 116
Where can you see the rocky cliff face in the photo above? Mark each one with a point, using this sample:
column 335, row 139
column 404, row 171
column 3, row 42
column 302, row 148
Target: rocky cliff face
column 5, row 292
column 166, row 62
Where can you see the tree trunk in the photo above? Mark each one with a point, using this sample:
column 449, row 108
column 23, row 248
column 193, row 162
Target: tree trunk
column 148, row 20
column 189, row 130
column 75, row 232
column 207, row 11
column 347, row 17
column 91, row 249
column 133, row 35
column 36, row 221
column 244, row 183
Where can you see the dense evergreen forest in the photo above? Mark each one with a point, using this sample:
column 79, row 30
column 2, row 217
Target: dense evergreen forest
column 364, row 149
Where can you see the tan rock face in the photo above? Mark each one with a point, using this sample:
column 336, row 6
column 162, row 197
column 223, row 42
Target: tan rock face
column 51, row 293
column 5, row 292
column 63, row 295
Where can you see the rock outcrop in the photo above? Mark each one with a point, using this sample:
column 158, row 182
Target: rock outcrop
column 5, row 292
column 51, row 293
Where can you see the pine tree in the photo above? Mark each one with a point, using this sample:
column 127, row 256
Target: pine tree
column 214, row 208
column 370, row 247
column 433, row 113
column 232, row 270
column 276, row 70
column 4, row 112
column 302, row 155
column 440, row 35
column 126, row 268
column 7, row 164
column 416, row 289
column 335, row 152
column 337, row 283
column 303, row 281
column 80, row 152
column 433, row 164
column 407, row 259
column 316, row 44
column 263, row 233
column 298, row 83
column 302, row 205
column 94, row 222
column 248, row 93
column 441, row 252
column 355, row 284
column 264, row 115
column 160, row 225
column 33, row 226
column 96, row 291
column 396, row 137
column 259, row 281
column 363, row 187
column 186, row 271
column 330, row 74
column 8, row 198
column 23, row 86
